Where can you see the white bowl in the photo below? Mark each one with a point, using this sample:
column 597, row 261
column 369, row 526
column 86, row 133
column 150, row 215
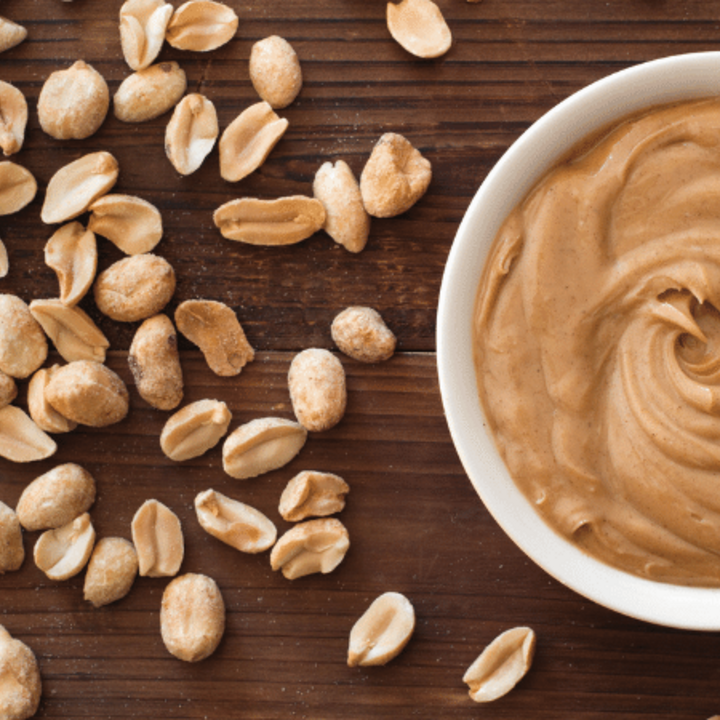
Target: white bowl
column 670, row 79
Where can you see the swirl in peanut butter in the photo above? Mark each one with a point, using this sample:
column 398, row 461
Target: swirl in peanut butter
column 597, row 340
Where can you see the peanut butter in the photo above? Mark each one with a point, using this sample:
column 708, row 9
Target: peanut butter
column 597, row 336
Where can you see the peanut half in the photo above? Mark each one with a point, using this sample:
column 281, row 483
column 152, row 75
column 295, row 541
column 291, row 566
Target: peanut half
column 248, row 140
column 191, row 133
column 21, row 687
column 64, row 552
column 216, row 330
column 111, row 571
column 132, row 224
column 23, row 347
column 11, row 34
column 310, row 547
column 382, row 631
column 283, row 221
column 43, row 414
column 312, row 493
column 262, row 445
column 72, row 253
column 13, row 118
column 195, row 429
column 17, row 187
column 12, row 552
column 501, row 665
column 275, row 71
column 158, row 538
column 4, row 261
column 361, row 333
column 148, row 93
column 201, row 25
column 419, row 27
column 8, row 389
column 21, row 440
column 142, row 30
column 235, row 523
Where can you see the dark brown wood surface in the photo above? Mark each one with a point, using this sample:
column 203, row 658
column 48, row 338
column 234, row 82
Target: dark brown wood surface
column 415, row 523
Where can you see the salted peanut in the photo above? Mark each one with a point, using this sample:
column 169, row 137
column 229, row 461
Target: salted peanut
column 394, row 178
column 73, row 103
column 11, row 34
column 74, row 187
column 13, row 118
column 283, row 221
column 88, row 393
column 201, row 25
column 419, row 27
column 501, row 665
column 317, row 389
column 17, row 187
column 262, row 445
column 216, row 330
column 8, row 389
column 191, row 133
column 56, row 497
column 42, row 413
column 63, row 552
column 158, row 538
column 195, row 429
column 4, row 262
column 248, row 140
column 74, row 334
column 235, row 523
column 12, row 552
column 132, row 224
column 361, row 333
column 21, row 688
column 111, row 571
column 23, row 347
column 142, row 30
column 155, row 363
column 275, row 71
column 135, row 288
column 346, row 220
column 192, row 617
column 72, row 253
column 148, row 93
column 310, row 547
column 382, row 631
column 21, row 440
column 312, row 493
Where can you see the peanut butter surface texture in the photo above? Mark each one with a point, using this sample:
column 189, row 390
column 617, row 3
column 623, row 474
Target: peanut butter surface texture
column 597, row 340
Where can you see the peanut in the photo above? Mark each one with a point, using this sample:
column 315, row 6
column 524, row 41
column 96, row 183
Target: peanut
column 12, row 552
column 275, row 71
column 17, row 187
column 132, row 224
column 311, row 494
column 361, row 333
column 195, row 429
column 191, row 133
column 21, row 687
column 111, row 571
column 419, row 27
column 23, row 347
column 202, row 25
column 148, row 93
column 13, row 118
column 21, row 440
column 72, row 253
column 42, row 413
column 142, row 30
column 158, row 539
column 63, row 552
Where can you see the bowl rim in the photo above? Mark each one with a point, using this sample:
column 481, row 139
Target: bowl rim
column 668, row 79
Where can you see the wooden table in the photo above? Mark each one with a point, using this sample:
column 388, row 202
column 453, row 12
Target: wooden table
column 415, row 523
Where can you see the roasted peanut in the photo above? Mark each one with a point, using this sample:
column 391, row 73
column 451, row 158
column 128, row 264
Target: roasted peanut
column 111, row 571
column 17, row 187
column 43, row 414
column 419, row 27
column 72, row 253
column 201, row 25
column 11, row 34
column 275, row 71
column 361, row 333
column 64, row 552
column 21, row 688
column 195, row 429
column 13, row 118
column 311, row 494
column 12, row 552
column 23, row 347
column 8, row 389
column 21, row 440
column 191, row 133
column 148, row 93
column 132, row 224
column 4, row 262
column 158, row 538
column 142, row 30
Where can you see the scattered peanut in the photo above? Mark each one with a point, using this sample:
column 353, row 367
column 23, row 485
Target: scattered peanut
column 111, row 571
column 275, row 71
column 158, row 538
column 4, row 262
column 382, row 631
column 132, row 224
column 21, row 440
column 312, row 493
column 262, row 445
column 8, row 389
column 17, row 187
column 148, row 93
column 202, row 25
column 42, row 413
column 195, row 429
column 13, row 118
column 21, row 687
column 23, row 347
column 72, row 253
column 419, row 27
column 12, row 552
column 361, row 333
column 64, row 552
column 11, row 34
column 192, row 617
column 142, row 30
column 191, row 133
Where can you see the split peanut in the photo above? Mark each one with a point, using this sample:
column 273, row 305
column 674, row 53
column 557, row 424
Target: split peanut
column 142, row 30
column 195, row 429
column 312, row 494
column 132, row 224
column 158, row 538
column 191, row 133
column 419, row 27
column 13, row 118
column 23, row 347
column 62, row 553
column 202, row 25
column 21, row 440
column 17, row 187
column 43, row 414
column 11, row 34
column 72, row 253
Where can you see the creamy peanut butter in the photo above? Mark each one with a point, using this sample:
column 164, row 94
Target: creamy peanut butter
column 597, row 337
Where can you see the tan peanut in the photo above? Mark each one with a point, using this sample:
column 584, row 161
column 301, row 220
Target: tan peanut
column 155, row 363
column 158, row 538
column 13, row 118
column 21, row 687
column 148, row 93
column 74, row 334
column 21, row 440
column 88, row 393
column 502, row 665
column 132, row 224
column 111, row 571
column 394, row 178
column 74, row 187
column 8, row 389
column 23, row 347
column 42, row 413
column 72, row 253
column 17, row 187
column 346, row 220
column 361, row 333
column 73, row 103
column 135, row 287
column 202, row 25
column 248, row 140
column 216, row 330
column 191, row 133
column 63, row 552
column 235, row 523
column 419, row 27
column 12, row 552
column 275, row 71
column 283, row 221
column 262, row 445
column 11, row 34
column 382, row 631
column 312, row 494
column 192, row 617
column 310, row 547
column 4, row 262
column 195, row 429
column 142, row 30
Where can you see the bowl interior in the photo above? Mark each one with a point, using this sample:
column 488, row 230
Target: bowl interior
column 666, row 80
